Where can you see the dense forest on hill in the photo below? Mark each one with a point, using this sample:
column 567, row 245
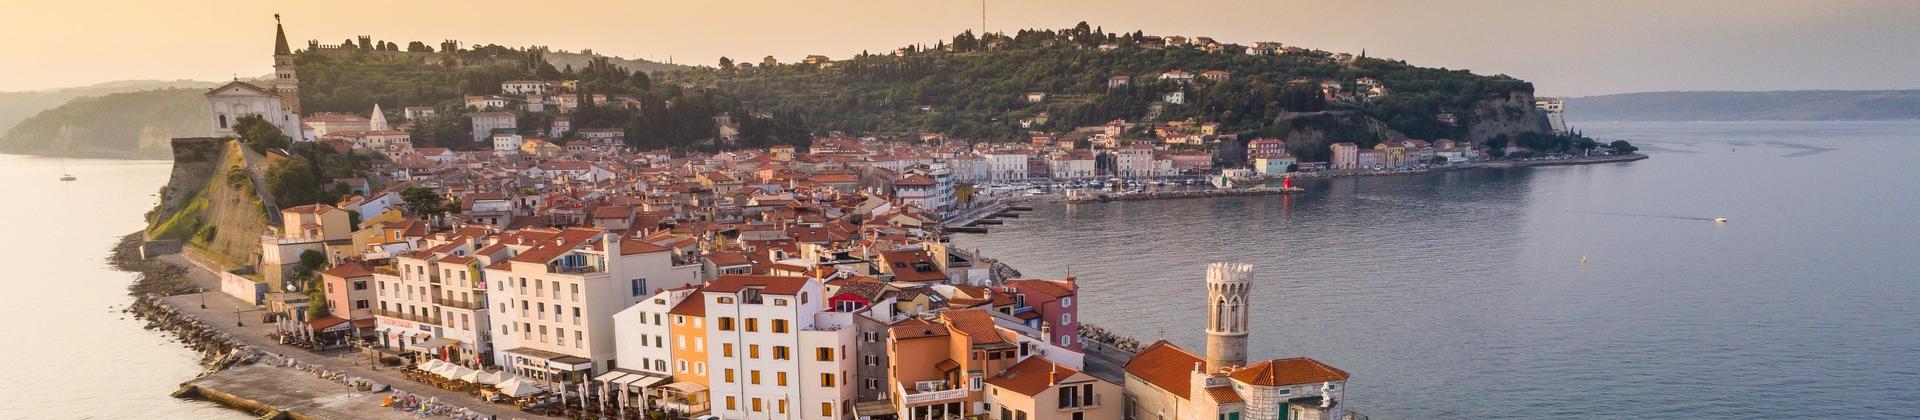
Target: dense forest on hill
column 120, row 125
column 18, row 106
column 974, row 92
column 969, row 87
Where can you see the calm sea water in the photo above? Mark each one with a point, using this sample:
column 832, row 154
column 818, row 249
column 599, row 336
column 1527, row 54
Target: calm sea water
column 1462, row 295
column 72, row 353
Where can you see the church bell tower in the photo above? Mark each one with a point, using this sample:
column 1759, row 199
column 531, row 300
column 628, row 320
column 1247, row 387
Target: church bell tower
column 1227, row 287
column 285, row 82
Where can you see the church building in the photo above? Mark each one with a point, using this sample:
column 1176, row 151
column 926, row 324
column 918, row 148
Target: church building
column 1165, row 382
column 279, row 103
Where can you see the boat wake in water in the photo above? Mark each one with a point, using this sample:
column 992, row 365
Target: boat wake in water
column 1659, row 216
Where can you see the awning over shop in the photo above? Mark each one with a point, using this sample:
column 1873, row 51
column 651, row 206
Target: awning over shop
column 570, row 363
column 329, row 324
column 437, row 343
column 642, row 381
column 611, row 376
column 688, row 388
column 874, row 408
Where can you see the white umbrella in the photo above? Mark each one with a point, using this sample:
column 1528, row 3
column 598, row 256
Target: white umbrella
column 453, row 371
column 430, row 365
column 518, row 387
column 492, row 378
column 481, row 377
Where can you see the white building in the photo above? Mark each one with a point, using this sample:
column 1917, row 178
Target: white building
column 525, row 87
column 486, row 123
column 1006, row 166
column 238, row 99
column 555, row 294
column 775, row 351
column 506, row 143
column 1135, row 161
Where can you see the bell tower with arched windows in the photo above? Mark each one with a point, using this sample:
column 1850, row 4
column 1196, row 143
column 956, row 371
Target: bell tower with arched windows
column 1227, row 287
column 285, row 82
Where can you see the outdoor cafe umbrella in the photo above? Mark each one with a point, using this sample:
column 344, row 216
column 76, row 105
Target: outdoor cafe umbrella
column 481, row 377
column 519, row 387
column 453, row 371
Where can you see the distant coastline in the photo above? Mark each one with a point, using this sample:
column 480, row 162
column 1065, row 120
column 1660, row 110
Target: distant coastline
column 1797, row 105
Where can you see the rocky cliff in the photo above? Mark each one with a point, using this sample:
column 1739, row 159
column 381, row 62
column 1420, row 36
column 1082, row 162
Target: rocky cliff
column 211, row 202
column 1512, row 114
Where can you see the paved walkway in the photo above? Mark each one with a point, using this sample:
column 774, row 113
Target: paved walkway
column 242, row 321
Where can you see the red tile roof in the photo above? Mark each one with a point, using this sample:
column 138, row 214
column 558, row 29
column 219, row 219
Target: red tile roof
column 1292, row 371
column 1032, row 376
column 773, row 285
column 1165, row 366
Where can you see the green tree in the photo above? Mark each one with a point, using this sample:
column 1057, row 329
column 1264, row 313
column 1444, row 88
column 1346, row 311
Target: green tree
column 261, row 134
column 1622, row 146
column 422, row 202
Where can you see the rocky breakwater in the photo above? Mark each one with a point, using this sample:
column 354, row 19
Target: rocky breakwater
column 218, row 350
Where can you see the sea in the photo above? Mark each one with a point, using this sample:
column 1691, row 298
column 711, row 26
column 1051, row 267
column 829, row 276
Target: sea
column 72, row 353
column 1450, row 295
column 1464, row 294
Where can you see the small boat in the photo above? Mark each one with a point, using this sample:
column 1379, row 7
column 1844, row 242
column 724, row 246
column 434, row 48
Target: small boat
column 68, row 177
column 1719, row 220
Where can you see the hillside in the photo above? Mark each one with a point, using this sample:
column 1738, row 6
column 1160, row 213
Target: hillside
column 17, row 106
column 581, row 60
column 119, row 125
column 969, row 90
column 1799, row 105
column 210, row 201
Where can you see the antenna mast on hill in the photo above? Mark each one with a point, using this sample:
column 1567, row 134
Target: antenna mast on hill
column 983, row 18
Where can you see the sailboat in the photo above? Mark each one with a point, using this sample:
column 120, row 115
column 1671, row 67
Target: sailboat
column 64, row 175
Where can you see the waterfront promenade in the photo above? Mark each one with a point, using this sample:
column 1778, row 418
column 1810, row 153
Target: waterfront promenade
column 270, row 385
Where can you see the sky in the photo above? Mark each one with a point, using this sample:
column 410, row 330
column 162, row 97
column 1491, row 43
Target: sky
column 1566, row 48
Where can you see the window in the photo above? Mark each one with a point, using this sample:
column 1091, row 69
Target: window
column 638, row 285
column 1285, row 391
column 730, row 405
column 823, row 354
column 726, row 349
column 753, row 377
column 1066, row 319
column 780, row 326
column 726, row 323
column 360, row 304
column 1066, row 340
column 753, row 351
column 826, row 379
column 780, row 378
column 782, row 353
column 826, row 409
column 360, row 285
column 779, row 302
column 727, row 375
column 723, row 299
column 753, row 325
column 871, row 336
column 783, row 406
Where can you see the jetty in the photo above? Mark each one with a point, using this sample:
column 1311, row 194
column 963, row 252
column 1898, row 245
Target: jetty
column 1166, row 195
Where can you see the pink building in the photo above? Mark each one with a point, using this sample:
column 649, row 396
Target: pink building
column 349, row 291
column 1049, row 306
column 1346, row 156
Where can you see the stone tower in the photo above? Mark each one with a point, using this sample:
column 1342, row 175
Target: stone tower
column 285, row 82
column 1227, row 287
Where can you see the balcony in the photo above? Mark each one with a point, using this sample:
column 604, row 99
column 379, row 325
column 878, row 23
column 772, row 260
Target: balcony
column 406, row 316
column 1085, row 402
column 582, row 269
column 460, row 304
column 929, row 392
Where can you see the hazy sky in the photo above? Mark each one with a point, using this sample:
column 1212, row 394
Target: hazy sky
column 1564, row 47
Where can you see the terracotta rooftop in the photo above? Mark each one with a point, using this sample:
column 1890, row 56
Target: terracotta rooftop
column 1032, row 376
column 1291, row 371
column 1166, row 366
